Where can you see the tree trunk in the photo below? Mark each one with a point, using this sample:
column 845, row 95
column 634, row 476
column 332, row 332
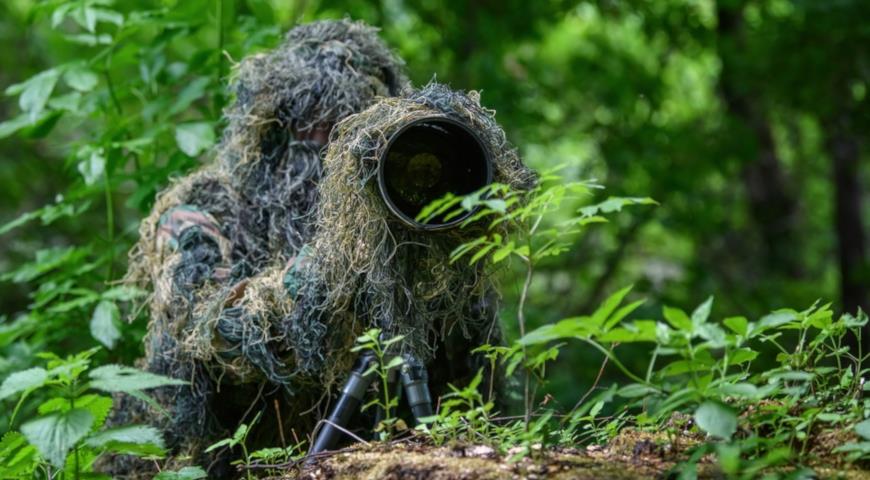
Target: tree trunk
column 845, row 155
column 772, row 205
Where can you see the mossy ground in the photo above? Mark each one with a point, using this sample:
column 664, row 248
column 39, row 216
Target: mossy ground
column 630, row 458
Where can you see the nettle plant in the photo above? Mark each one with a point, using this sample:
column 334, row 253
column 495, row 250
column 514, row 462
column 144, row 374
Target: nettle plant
column 546, row 222
column 805, row 406
column 699, row 379
column 382, row 368
column 67, row 436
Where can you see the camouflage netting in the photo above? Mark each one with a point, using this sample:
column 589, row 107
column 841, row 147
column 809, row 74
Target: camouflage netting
column 266, row 263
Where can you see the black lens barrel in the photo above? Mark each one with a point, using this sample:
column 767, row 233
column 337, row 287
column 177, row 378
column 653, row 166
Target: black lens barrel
column 427, row 159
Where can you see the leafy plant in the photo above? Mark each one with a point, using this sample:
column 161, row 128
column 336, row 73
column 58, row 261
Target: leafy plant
column 545, row 220
column 383, row 368
column 67, row 436
column 238, row 439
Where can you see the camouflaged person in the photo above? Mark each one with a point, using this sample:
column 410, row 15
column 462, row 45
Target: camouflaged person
column 219, row 242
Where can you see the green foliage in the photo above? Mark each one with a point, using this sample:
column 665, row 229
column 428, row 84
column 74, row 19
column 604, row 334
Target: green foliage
column 67, row 433
column 186, row 473
column 383, row 368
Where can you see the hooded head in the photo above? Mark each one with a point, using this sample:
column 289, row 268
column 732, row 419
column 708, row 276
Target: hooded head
column 287, row 102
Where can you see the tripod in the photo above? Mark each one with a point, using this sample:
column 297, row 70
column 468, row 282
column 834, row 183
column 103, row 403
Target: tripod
column 415, row 382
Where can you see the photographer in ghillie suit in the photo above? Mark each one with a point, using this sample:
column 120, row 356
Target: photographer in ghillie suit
column 214, row 236
column 266, row 264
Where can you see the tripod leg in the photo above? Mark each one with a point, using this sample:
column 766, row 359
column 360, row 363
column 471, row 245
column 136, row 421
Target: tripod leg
column 352, row 395
column 416, row 383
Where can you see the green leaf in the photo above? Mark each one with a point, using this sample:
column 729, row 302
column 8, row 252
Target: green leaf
column 567, row 328
column 738, row 325
column 863, row 429
column 131, row 439
column 104, row 323
column 615, row 204
column 186, row 473
column 678, row 319
column 98, row 405
column 93, row 166
column 194, row 138
column 394, row 362
column 774, row 320
column 23, row 381
column 636, row 331
column 622, row 313
column 55, row 435
column 716, row 419
column 17, row 457
column 118, row 378
column 35, row 92
column 608, row 307
column 189, row 94
column 742, row 355
column 713, row 334
column 13, row 125
column 81, row 79
column 702, row 313
column 742, row 389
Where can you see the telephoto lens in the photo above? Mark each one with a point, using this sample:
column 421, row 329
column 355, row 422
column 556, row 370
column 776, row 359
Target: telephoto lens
column 427, row 159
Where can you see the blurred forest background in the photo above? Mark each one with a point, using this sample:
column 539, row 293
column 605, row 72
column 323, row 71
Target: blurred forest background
column 746, row 120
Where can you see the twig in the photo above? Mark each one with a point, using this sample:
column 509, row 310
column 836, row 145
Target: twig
column 591, row 389
column 280, row 424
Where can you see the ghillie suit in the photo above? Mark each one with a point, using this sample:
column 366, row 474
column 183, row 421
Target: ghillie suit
column 368, row 269
column 213, row 249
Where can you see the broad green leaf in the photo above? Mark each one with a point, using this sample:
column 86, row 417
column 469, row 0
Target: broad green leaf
column 194, row 138
column 22, row 381
column 742, row 355
column 80, row 78
column 678, row 319
column 69, row 102
column 118, row 378
column 186, row 473
column 36, row 92
column 636, row 331
column 132, row 439
column 567, row 328
column 104, row 323
column 11, row 126
column 738, row 325
column 17, row 457
column 863, row 429
column 635, row 390
column 774, row 320
column 716, row 419
column 98, row 405
column 86, row 17
column 746, row 390
column 55, row 435
column 713, row 334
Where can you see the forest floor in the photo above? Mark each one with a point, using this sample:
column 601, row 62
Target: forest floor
column 632, row 459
